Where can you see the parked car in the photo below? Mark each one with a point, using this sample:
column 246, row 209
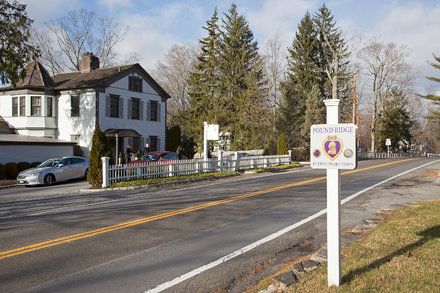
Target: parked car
column 55, row 170
column 158, row 156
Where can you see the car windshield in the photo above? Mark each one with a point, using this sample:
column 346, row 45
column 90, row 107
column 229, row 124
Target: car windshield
column 50, row 163
column 150, row 157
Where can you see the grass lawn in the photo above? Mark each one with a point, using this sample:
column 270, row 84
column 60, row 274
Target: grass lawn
column 276, row 168
column 401, row 255
column 153, row 181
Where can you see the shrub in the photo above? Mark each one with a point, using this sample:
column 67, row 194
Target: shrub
column 77, row 151
column 2, row 172
column 23, row 166
column 11, row 171
column 35, row 164
column 173, row 138
column 100, row 148
column 282, row 147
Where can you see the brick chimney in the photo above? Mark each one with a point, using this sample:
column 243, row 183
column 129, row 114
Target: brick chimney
column 89, row 62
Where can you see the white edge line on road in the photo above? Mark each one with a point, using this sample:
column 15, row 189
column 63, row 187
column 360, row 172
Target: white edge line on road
column 195, row 272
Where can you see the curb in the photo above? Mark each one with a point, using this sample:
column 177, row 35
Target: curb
column 8, row 186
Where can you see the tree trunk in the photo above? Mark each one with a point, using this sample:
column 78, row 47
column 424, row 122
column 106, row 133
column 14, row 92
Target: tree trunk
column 373, row 118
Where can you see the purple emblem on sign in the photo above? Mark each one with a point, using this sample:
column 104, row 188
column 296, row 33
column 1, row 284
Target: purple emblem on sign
column 332, row 147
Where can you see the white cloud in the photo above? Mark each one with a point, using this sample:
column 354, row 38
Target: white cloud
column 42, row 11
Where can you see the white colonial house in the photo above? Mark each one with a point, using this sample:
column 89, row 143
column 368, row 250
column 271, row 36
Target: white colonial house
column 125, row 101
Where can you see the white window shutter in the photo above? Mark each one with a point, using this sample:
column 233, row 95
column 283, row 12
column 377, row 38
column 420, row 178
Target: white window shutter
column 158, row 111
column 148, row 110
column 129, row 105
column 121, row 107
column 141, row 110
column 107, row 106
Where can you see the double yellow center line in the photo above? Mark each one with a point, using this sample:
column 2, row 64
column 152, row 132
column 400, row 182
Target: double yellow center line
column 123, row 225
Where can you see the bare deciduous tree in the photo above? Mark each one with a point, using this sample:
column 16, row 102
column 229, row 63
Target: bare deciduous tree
column 275, row 65
column 80, row 31
column 173, row 74
column 385, row 70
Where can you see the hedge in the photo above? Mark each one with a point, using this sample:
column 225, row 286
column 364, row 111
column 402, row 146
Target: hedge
column 23, row 166
column 2, row 172
column 11, row 171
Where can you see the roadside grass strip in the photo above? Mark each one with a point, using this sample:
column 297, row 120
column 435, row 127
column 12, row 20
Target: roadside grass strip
column 276, row 168
column 153, row 181
column 401, row 254
column 128, row 224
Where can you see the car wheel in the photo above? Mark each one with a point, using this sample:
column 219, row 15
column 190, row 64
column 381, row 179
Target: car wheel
column 49, row 179
column 85, row 174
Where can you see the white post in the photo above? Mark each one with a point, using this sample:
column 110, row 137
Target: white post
column 236, row 161
column 333, row 208
column 205, row 147
column 117, row 159
column 220, row 161
column 170, row 170
column 105, row 162
column 290, row 157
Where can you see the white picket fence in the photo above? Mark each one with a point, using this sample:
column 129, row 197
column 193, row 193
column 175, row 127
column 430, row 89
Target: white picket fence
column 117, row 173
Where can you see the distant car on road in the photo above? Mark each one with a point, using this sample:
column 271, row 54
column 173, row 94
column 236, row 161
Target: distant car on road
column 55, row 170
column 158, row 156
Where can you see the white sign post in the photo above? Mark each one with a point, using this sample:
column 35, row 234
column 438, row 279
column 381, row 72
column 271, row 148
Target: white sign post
column 388, row 144
column 210, row 132
column 333, row 147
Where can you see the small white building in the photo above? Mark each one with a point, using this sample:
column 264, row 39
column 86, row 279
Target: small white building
column 125, row 101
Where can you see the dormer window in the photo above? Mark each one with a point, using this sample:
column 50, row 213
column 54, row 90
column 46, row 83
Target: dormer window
column 135, row 84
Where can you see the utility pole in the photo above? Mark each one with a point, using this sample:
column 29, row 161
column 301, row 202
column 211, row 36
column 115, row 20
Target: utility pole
column 354, row 99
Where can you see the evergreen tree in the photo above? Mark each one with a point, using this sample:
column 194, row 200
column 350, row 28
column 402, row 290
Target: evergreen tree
column 204, row 83
column 15, row 47
column 395, row 122
column 100, row 148
column 333, row 55
column 435, row 114
column 282, row 147
column 242, row 91
column 302, row 77
column 314, row 114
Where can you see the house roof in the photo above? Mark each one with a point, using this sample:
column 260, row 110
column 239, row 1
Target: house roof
column 103, row 77
column 36, row 76
column 25, row 139
column 5, row 128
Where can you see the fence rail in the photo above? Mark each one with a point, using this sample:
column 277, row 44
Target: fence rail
column 384, row 155
column 117, row 173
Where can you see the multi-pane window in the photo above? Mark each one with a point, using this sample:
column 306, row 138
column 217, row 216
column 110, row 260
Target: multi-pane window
column 74, row 106
column 22, row 106
column 14, row 106
column 49, row 107
column 35, row 106
column 135, row 84
column 135, row 108
column 154, row 111
column 114, row 106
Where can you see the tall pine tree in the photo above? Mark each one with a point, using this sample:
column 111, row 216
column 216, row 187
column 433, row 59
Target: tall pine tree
column 242, row 83
column 204, row 82
column 302, row 77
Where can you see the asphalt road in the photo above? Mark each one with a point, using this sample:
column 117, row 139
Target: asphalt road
column 132, row 241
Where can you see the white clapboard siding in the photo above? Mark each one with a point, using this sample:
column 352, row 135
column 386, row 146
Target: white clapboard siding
column 32, row 153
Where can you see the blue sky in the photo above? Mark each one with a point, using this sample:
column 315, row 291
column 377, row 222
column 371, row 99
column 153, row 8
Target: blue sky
column 156, row 25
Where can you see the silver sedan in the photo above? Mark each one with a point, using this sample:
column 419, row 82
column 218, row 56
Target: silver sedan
column 55, row 170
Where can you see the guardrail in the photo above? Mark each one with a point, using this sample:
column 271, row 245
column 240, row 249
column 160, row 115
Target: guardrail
column 117, row 173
